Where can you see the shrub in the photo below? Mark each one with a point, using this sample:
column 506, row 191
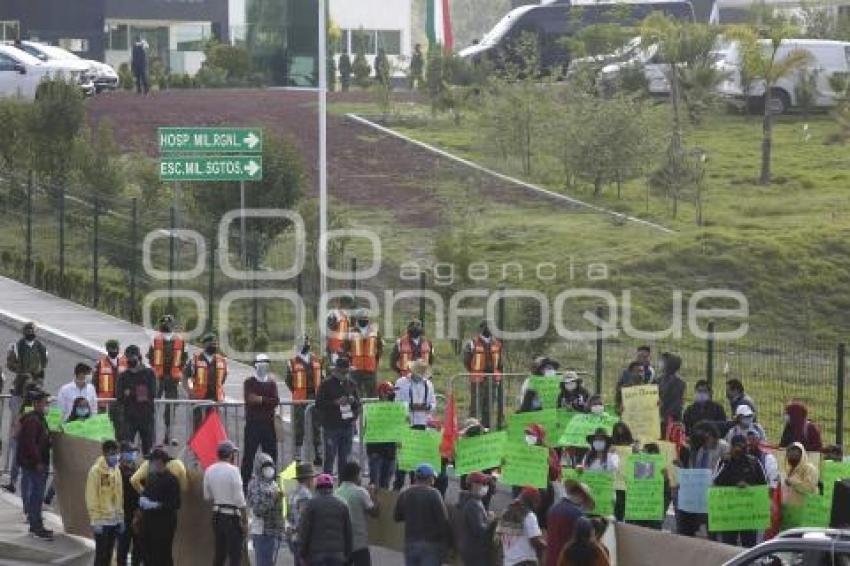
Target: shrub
column 125, row 77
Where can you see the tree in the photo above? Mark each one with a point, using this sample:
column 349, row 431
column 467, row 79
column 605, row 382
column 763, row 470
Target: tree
column 762, row 62
column 97, row 157
column 681, row 177
column 345, row 71
column 360, row 67
column 840, row 85
column 58, row 117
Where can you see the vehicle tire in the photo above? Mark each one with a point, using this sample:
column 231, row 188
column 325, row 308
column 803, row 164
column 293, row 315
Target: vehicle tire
column 779, row 101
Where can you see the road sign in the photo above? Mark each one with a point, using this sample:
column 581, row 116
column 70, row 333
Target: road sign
column 224, row 168
column 211, row 140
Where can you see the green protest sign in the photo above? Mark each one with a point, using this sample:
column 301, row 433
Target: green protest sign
column 548, row 389
column 525, row 465
column 817, row 511
column 385, row 422
column 601, row 486
column 547, row 418
column 582, row 425
column 54, row 419
column 478, row 453
column 644, row 475
column 738, row 509
column 419, row 447
column 97, row 428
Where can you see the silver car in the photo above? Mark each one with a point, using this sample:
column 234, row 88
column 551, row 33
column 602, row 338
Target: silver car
column 799, row 547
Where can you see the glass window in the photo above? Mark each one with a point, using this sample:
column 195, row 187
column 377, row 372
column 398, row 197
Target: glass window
column 6, row 63
column 118, row 38
column 342, row 44
column 390, row 41
column 191, row 37
column 74, row 45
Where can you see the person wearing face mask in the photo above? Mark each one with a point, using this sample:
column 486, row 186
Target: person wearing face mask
column 135, row 392
column 600, row 458
column 128, row 541
column 563, row 516
column 742, row 470
column 632, row 376
column 413, row 345
column 703, row 408
column 799, row 428
column 703, row 452
column 205, row 375
column 33, row 455
column 417, row 392
column 542, row 366
column 365, row 346
column 261, row 402
column 361, row 505
column 304, row 374
column 27, row 360
column 265, row 502
column 573, row 394
column 736, row 396
column 482, row 358
column 81, row 410
column 167, row 356
column 106, row 372
column 800, row 478
column 338, row 325
column 745, row 421
column 160, row 502
column 474, row 524
column 105, row 502
column 530, row 402
column 78, row 387
column 338, row 407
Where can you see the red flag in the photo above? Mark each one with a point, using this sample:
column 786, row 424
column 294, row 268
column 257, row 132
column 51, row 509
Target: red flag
column 775, row 515
column 447, row 444
column 204, row 443
column 448, row 35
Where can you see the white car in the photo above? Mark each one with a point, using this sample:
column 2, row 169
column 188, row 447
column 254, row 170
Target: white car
column 827, row 58
column 77, row 71
column 21, row 73
column 103, row 75
column 646, row 59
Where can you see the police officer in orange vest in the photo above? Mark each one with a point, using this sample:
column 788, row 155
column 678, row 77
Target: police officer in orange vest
column 205, row 375
column 339, row 323
column 482, row 357
column 364, row 347
column 304, row 374
column 106, row 372
column 411, row 346
column 167, row 356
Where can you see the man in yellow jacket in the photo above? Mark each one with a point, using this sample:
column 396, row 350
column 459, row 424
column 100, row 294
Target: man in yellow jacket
column 105, row 503
column 173, row 465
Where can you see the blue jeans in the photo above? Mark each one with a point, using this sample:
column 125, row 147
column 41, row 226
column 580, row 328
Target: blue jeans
column 337, row 445
column 33, row 484
column 265, row 549
column 423, row 554
column 380, row 470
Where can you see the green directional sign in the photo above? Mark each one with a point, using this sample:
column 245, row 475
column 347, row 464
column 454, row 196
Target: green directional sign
column 210, row 140
column 225, row 168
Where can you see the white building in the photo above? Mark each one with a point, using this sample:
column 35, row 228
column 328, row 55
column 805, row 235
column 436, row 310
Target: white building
column 385, row 24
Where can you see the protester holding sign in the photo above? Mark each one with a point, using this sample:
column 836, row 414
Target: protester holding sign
column 640, row 411
column 698, row 461
column 647, row 488
column 600, row 458
column 382, row 454
column 573, row 394
column 623, row 444
column 703, row 408
column 671, row 391
column 801, row 477
column 740, row 470
column 544, row 379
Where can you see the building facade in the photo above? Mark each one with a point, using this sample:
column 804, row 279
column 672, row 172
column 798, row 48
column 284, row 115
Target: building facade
column 379, row 24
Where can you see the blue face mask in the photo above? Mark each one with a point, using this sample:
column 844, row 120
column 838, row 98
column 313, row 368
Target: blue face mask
column 129, row 457
column 82, row 412
column 112, row 460
column 536, row 404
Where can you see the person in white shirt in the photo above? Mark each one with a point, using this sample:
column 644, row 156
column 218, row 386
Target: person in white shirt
column 80, row 387
column 600, row 457
column 223, row 488
column 417, row 391
column 519, row 532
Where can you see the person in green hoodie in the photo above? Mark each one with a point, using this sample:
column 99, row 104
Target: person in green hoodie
column 105, row 502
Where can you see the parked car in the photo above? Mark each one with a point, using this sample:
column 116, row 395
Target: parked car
column 799, row 547
column 827, row 59
column 103, row 75
column 633, row 55
column 21, row 74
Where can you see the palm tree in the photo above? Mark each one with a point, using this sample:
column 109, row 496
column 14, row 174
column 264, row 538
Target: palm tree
column 760, row 60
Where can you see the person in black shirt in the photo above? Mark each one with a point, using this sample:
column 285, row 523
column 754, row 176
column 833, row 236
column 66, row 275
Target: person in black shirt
column 159, row 502
column 128, row 539
column 703, row 408
column 338, row 405
column 741, row 470
column 139, row 65
column 135, row 392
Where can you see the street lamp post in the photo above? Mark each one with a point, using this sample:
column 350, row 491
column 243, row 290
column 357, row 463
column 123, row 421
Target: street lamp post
column 323, row 151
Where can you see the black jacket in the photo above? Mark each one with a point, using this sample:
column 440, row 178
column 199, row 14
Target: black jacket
column 330, row 390
column 710, row 411
column 162, row 488
column 325, row 527
column 135, row 392
column 131, row 497
column 744, row 468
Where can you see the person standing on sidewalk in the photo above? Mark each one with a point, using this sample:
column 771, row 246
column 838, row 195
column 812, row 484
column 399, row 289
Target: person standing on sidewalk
column 365, row 347
column 339, row 406
column 361, row 503
column 134, row 395
column 296, row 503
column 27, row 359
column 265, row 500
column 304, row 375
column 411, row 346
column 224, row 490
column 33, row 452
column 261, row 401
column 475, row 523
column 106, row 372
column 128, row 541
column 324, row 530
column 415, row 390
column 105, row 503
column 427, row 531
column 80, row 386
column 159, row 503
column 167, row 356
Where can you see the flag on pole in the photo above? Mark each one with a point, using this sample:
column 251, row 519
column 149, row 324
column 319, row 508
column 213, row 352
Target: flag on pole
column 450, row 432
column 204, row 443
column 438, row 22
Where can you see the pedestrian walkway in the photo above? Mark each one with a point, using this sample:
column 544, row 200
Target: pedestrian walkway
column 17, row 548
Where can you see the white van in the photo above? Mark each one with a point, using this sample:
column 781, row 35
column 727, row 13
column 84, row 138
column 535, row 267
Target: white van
column 827, row 58
column 21, row 73
column 103, row 75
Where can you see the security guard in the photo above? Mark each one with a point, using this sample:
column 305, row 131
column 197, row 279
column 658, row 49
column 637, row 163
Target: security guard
column 167, row 356
column 304, row 373
column 482, row 357
column 410, row 347
column 364, row 347
column 106, row 372
column 205, row 375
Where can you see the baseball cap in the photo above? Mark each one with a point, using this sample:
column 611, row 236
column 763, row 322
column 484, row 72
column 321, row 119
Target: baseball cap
column 226, row 448
column 325, row 480
column 478, row 477
column 425, row 471
column 744, row 411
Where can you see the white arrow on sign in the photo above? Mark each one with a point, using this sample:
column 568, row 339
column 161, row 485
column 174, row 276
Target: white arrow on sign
column 251, row 140
column 252, row 168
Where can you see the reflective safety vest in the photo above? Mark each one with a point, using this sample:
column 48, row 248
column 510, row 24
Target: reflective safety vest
column 407, row 354
column 337, row 338
column 201, row 376
column 478, row 364
column 364, row 350
column 106, row 375
column 300, row 383
column 158, row 361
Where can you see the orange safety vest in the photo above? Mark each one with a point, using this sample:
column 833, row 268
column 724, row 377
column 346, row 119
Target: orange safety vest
column 106, row 376
column 158, row 361
column 300, row 388
column 406, row 354
column 478, row 363
column 200, row 379
column 364, row 350
column 336, row 338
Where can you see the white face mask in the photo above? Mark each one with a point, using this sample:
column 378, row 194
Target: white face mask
column 549, row 372
column 597, row 409
column 268, row 472
column 482, row 491
column 571, row 385
column 530, row 440
column 599, row 445
column 262, row 370
column 787, row 418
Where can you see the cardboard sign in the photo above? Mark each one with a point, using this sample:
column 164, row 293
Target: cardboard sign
column 385, row 422
column 97, row 428
column 640, row 412
column 419, row 447
column 644, row 475
column 547, row 418
column 601, row 486
column 478, row 453
column 738, row 509
column 548, row 389
column 693, row 490
column 525, row 465
column 582, row 425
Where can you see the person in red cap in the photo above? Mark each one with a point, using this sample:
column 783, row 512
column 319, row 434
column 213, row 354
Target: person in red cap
column 475, row 524
column 324, row 529
column 519, row 532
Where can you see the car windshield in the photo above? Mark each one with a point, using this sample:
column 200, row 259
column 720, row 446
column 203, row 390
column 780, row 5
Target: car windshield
column 505, row 24
column 57, row 52
column 19, row 55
